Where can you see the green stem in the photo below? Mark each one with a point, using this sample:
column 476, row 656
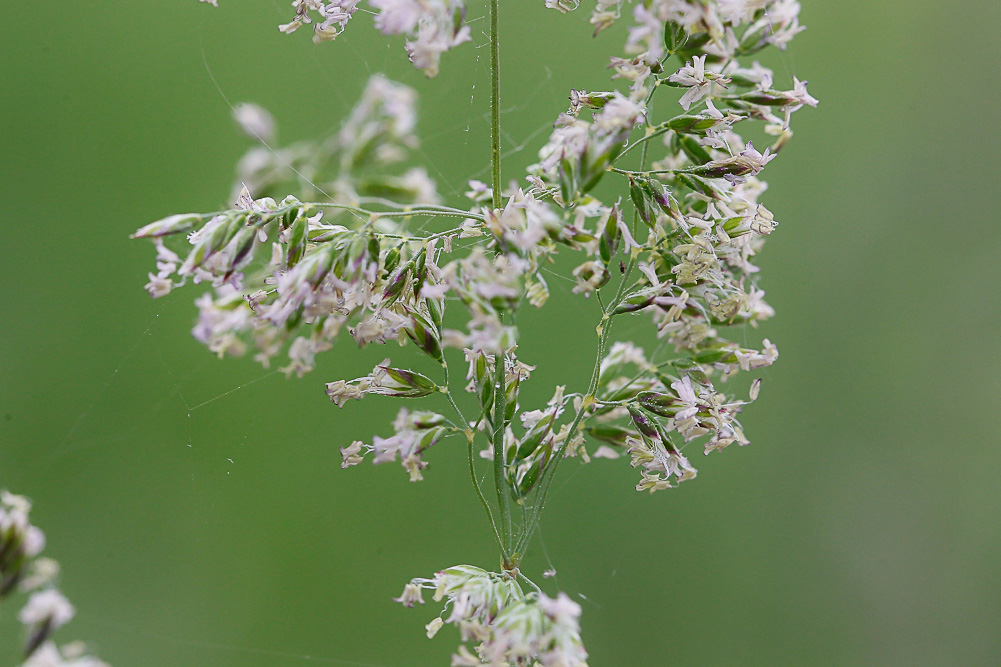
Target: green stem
column 655, row 132
column 419, row 239
column 408, row 214
column 500, row 475
column 495, row 151
column 547, row 476
column 382, row 201
column 589, row 398
column 418, row 210
column 633, row 172
column 468, row 432
column 479, row 491
column 652, row 130
column 500, row 390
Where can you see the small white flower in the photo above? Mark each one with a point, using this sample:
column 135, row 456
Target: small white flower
column 48, row 606
column 412, row 594
column 340, row 392
column 14, row 502
column 34, row 541
column 692, row 76
column 755, row 159
column 157, row 286
column 619, row 113
column 434, row 626
column 803, row 97
column 697, row 79
column 567, row 142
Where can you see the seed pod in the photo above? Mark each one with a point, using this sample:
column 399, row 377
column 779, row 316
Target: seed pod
column 753, row 39
column 663, row 405
column 425, row 419
column 711, row 356
column 769, row 98
column 395, row 287
column 436, row 311
column 373, row 248
column 689, row 124
column 392, row 259
column 608, row 243
column 693, row 47
column 419, row 261
column 675, row 37
column 297, row 241
column 243, row 246
column 291, row 215
column 567, row 175
column 222, row 234
column 458, row 17
column 425, row 335
column 404, row 383
column 596, row 158
column 533, row 473
column 511, row 397
column 174, row 224
column 633, row 302
column 638, row 198
column 531, row 441
column 646, row 426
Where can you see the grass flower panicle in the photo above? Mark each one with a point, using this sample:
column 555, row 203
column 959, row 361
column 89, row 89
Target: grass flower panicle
column 649, row 186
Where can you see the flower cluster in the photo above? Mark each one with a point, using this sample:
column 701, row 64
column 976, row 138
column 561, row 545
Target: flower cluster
column 722, row 26
column 433, row 26
column 323, row 267
column 414, row 433
column 22, row 569
column 658, row 213
column 505, row 625
column 696, row 215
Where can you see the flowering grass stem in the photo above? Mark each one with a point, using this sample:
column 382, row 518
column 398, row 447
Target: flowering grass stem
column 655, row 131
column 468, row 431
column 500, row 402
column 443, row 211
column 634, row 172
column 500, row 474
column 292, row 277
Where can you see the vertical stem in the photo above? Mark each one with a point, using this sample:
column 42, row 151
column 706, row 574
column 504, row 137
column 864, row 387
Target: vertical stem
column 469, row 456
column 495, row 152
column 500, row 475
column 500, row 390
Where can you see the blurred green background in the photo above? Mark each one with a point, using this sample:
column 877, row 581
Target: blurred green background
column 198, row 507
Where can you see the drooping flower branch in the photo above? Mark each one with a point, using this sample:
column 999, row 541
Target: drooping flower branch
column 660, row 212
